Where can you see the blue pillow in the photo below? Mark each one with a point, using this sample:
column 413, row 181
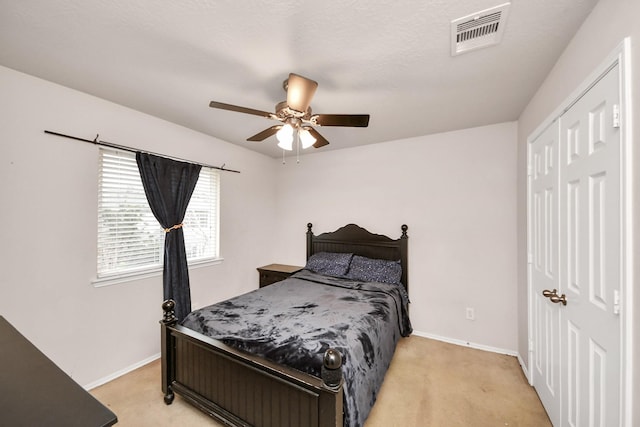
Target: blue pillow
column 329, row 263
column 374, row 270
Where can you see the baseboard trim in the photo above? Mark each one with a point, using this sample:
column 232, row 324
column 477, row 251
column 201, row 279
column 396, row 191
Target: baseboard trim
column 121, row 372
column 525, row 371
column 469, row 344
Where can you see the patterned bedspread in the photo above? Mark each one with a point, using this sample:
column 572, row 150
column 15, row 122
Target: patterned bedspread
column 295, row 321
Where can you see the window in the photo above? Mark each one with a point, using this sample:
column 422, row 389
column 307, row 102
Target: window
column 130, row 239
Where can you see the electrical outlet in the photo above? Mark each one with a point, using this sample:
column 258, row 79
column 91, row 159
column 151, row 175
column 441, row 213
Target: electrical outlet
column 471, row 314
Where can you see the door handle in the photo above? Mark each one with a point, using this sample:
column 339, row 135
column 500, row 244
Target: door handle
column 557, row 299
column 554, row 297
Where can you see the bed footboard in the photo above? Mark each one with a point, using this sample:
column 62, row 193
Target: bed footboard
column 244, row 390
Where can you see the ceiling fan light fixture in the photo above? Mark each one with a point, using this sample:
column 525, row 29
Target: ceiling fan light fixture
column 285, row 137
column 306, row 139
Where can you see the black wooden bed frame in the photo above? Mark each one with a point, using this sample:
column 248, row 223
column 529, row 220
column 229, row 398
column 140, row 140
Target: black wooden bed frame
column 240, row 389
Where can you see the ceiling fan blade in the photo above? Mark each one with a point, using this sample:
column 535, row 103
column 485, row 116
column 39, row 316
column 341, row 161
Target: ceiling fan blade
column 223, row 106
column 320, row 140
column 261, row 136
column 300, row 90
column 349, row 120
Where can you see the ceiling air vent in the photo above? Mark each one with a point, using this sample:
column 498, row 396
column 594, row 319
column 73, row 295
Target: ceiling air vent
column 478, row 30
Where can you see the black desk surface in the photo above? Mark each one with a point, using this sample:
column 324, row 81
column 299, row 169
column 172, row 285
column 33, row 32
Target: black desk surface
column 35, row 392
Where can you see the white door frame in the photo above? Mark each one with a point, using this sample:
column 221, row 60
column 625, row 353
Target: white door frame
column 620, row 56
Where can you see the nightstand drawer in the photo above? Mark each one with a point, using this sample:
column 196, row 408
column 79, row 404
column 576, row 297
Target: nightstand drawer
column 269, row 277
column 273, row 273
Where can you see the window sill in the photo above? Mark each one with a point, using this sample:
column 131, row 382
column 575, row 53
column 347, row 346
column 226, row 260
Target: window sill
column 145, row 274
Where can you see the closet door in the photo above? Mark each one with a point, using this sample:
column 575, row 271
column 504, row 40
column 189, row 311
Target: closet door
column 543, row 268
column 590, row 257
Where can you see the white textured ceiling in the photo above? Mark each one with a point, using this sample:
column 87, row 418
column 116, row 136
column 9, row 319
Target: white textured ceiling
column 390, row 59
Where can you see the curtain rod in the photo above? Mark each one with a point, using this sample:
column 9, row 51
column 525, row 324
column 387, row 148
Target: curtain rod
column 133, row 150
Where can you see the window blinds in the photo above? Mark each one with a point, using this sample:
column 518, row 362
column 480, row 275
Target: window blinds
column 130, row 239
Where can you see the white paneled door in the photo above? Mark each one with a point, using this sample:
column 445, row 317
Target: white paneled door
column 544, row 268
column 575, row 259
column 590, row 255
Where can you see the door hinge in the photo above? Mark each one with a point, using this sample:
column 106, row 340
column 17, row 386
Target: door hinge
column 529, row 258
column 616, row 116
column 616, row 302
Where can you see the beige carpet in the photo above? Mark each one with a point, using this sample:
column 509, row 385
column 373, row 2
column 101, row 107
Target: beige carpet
column 429, row 384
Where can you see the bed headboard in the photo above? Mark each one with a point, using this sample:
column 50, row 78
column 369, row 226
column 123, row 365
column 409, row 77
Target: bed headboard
column 355, row 239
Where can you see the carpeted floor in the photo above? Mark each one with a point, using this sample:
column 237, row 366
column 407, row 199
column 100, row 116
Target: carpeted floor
column 429, row 384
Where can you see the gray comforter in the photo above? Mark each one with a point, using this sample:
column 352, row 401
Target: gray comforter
column 295, row 321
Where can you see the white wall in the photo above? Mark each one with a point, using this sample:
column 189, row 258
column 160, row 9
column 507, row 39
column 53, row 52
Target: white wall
column 48, row 191
column 605, row 28
column 457, row 193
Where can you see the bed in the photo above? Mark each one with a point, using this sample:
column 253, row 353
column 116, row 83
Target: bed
column 312, row 367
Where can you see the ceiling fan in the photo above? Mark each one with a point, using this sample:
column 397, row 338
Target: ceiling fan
column 295, row 116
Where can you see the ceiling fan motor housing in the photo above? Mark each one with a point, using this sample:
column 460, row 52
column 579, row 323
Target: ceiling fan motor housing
column 291, row 116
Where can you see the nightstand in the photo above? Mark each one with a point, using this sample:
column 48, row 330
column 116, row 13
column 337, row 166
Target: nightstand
column 273, row 273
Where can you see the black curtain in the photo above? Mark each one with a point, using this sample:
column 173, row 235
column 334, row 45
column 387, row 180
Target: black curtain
column 169, row 185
